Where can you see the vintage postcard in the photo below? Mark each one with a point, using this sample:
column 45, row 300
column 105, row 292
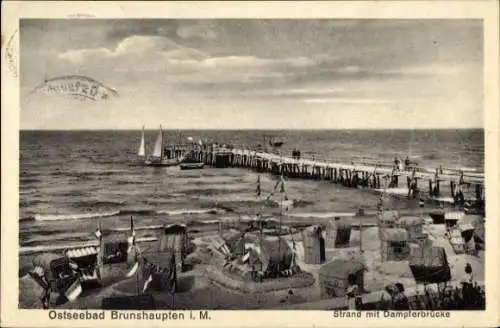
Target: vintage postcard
column 283, row 164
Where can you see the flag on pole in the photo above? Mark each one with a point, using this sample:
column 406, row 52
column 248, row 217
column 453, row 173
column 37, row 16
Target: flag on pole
column 147, row 282
column 131, row 239
column 276, row 185
column 132, row 230
column 98, row 232
column 73, row 291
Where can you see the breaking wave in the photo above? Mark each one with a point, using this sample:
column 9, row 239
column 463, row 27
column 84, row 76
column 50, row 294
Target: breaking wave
column 87, row 216
column 60, row 217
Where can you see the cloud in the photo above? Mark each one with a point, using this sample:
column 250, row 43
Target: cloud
column 158, row 54
column 201, row 31
column 354, row 101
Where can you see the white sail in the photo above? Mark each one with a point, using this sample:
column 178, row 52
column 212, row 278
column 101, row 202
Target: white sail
column 158, row 149
column 142, row 151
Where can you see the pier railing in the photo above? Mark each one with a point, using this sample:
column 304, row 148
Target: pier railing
column 378, row 176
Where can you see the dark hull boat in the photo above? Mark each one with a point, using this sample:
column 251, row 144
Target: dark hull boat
column 162, row 162
column 191, row 166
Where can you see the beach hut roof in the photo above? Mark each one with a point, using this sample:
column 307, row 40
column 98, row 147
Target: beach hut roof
column 271, row 251
column 162, row 259
column 471, row 219
column 411, row 221
column 44, row 260
column 313, row 230
column 47, row 262
column 479, row 232
column 454, row 215
column 466, row 226
column 174, row 227
column 341, row 268
column 342, row 223
column 389, row 216
column 433, row 256
column 394, row 234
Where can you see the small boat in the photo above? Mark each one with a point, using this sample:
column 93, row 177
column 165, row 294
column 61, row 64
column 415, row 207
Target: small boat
column 157, row 158
column 276, row 142
column 191, row 166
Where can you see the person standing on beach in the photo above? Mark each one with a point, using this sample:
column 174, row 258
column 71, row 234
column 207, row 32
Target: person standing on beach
column 400, row 300
column 352, row 292
column 467, row 282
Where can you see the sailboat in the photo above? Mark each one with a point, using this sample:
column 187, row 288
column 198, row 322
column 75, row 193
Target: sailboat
column 157, row 158
column 142, row 149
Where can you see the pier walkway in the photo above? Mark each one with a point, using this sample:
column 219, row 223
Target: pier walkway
column 378, row 177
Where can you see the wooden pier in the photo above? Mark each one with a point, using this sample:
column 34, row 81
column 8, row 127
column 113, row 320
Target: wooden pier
column 380, row 178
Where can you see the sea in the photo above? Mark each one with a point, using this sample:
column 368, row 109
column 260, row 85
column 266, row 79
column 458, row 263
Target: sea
column 72, row 181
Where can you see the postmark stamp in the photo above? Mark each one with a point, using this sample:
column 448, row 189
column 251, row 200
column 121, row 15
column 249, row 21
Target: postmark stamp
column 76, row 86
column 9, row 54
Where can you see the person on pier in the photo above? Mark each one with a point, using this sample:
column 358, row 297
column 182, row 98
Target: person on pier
column 407, row 163
column 396, row 163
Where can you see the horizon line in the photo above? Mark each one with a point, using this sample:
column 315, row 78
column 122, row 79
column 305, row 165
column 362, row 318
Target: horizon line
column 259, row 129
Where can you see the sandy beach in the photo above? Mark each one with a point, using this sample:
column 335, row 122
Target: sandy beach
column 205, row 284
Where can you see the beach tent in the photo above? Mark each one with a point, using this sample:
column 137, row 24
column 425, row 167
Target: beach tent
column 273, row 255
column 429, row 264
column 387, row 219
column 115, row 251
column 468, row 224
column 54, row 273
column 218, row 245
column 394, row 244
column 175, row 239
column 437, row 216
column 231, row 238
column 314, row 245
column 456, row 240
column 333, row 277
column 86, row 260
column 451, row 219
column 479, row 237
column 413, row 225
column 159, row 271
column 338, row 233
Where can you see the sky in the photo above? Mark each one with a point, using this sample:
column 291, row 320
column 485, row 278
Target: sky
column 256, row 74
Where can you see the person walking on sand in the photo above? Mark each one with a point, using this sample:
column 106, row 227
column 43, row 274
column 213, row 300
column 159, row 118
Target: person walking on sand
column 352, row 293
column 400, row 300
column 467, row 283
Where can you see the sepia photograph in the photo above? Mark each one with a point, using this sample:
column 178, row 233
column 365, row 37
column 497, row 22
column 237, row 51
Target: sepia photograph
column 251, row 164
column 293, row 164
